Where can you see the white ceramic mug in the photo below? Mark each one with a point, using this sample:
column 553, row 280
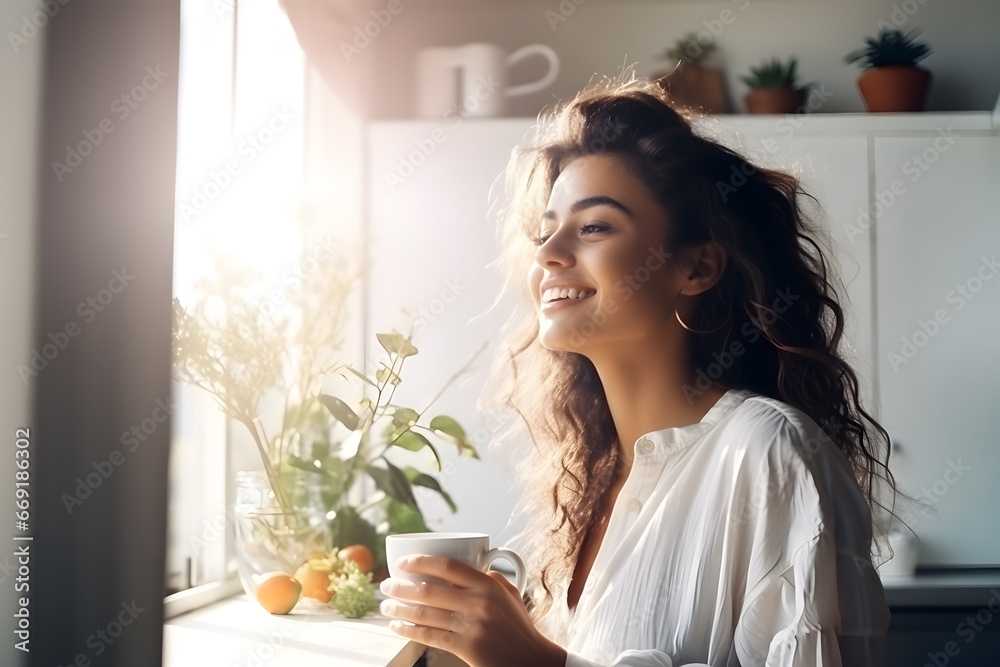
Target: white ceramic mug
column 471, row 79
column 473, row 549
column 904, row 559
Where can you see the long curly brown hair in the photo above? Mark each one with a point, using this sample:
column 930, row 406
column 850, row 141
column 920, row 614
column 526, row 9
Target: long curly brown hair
column 710, row 193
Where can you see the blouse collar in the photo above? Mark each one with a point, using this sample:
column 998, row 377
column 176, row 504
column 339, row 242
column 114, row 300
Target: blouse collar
column 657, row 444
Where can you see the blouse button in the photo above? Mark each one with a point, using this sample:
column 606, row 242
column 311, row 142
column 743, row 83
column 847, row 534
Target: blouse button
column 645, row 446
column 634, row 505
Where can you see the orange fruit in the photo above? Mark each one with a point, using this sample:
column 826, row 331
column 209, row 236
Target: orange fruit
column 278, row 592
column 360, row 554
column 314, row 575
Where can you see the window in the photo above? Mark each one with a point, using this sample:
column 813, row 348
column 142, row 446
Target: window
column 240, row 165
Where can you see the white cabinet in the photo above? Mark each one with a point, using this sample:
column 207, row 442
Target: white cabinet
column 937, row 247
column 432, row 193
column 913, row 202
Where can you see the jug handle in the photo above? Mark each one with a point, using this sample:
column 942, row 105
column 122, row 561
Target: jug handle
column 545, row 81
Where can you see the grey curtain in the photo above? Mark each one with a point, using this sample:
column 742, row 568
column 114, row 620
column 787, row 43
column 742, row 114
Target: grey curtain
column 104, row 287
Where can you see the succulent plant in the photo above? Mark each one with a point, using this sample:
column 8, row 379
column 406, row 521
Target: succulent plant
column 772, row 74
column 688, row 49
column 890, row 48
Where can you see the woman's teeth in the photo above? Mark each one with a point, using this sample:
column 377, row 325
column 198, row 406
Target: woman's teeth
column 554, row 294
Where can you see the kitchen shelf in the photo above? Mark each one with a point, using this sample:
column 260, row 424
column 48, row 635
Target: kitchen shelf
column 985, row 122
column 877, row 124
column 951, row 587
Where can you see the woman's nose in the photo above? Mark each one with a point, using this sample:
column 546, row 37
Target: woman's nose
column 556, row 251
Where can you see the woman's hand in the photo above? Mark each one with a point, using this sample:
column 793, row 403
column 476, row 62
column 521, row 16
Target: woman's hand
column 480, row 618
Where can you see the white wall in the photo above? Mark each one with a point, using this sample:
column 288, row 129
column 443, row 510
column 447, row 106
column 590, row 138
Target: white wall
column 599, row 35
column 20, row 105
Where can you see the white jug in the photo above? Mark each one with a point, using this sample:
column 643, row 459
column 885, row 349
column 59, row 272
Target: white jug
column 471, row 80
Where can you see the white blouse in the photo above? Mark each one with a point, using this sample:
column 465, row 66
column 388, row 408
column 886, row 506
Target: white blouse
column 742, row 540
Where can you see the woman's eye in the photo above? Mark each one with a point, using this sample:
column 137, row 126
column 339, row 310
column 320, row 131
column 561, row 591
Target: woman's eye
column 585, row 230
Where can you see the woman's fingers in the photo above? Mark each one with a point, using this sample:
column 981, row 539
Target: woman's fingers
column 463, row 580
column 442, row 639
column 505, row 582
column 451, row 570
column 435, row 595
column 424, row 615
column 477, row 616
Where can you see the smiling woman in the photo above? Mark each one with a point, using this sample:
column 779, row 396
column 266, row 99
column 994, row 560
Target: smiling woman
column 601, row 246
column 703, row 487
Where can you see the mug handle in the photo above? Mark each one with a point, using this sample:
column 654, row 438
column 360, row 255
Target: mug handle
column 520, row 572
column 545, row 81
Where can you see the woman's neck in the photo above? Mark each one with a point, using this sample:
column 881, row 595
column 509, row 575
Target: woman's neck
column 649, row 389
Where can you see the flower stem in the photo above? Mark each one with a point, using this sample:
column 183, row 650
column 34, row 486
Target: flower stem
column 376, row 498
column 260, row 439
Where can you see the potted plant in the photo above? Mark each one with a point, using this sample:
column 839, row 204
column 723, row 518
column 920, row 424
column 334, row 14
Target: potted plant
column 773, row 88
column 690, row 82
column 891, row 80
column 330, row 475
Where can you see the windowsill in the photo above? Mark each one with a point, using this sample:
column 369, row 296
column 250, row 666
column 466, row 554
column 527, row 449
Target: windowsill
column 236, row 629
column 942, row 587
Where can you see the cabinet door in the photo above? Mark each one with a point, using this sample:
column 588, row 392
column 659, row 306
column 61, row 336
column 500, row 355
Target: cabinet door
column 938, row 331
column 432, row 237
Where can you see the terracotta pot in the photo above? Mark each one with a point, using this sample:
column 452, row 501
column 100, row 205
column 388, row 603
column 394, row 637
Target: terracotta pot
column 775, row 100
column 894, row 89
column 698, row 87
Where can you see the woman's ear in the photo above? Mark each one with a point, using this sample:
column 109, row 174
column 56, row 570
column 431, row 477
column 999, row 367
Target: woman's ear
column 704, row 265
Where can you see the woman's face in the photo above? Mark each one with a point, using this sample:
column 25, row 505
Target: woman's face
column 602, row 240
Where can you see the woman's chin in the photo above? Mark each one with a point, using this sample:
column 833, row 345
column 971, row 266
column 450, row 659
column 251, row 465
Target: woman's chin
column 557, row 339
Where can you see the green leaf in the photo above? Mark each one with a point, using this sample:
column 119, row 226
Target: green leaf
column 354, row 443
column 418, row 478
column 449, row 426
column 393, row 482
column 396, row 343
column 891, row 47
column 389, row 432
column 385, row 373
column 310, row 466
column 411, row 441
column 403, row 518
column 414, row 442
column 351, row 444
column 348, row 528
column 773, row 73
column 340, row 410
column 404, row 418
column 298, row 476
column 449, row 429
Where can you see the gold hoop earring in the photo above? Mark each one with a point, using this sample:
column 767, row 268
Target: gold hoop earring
column 729, row 315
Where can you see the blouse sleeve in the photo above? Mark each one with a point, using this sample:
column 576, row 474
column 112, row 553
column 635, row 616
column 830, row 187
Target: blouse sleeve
column 809, row 571
column 793, row 621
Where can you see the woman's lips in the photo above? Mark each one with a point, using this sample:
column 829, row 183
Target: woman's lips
column 560, row 304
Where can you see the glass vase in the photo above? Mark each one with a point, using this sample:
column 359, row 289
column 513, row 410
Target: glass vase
column 270, row 538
